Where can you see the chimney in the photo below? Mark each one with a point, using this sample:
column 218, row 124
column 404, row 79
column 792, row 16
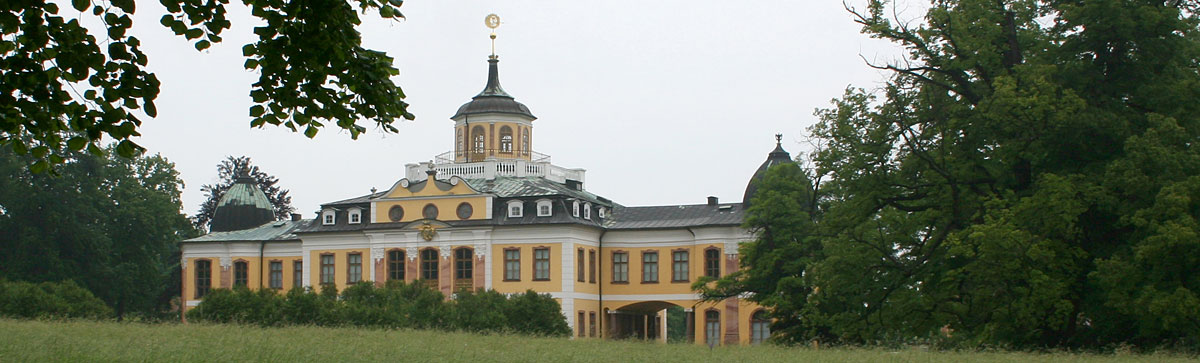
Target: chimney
column 712, row 200
column 295, row 217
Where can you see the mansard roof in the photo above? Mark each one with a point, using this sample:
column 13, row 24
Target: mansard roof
column 676, row 216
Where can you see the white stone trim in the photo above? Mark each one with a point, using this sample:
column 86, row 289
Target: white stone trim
column 193, row 303
column 731, row 248
column 445, row 251
column 411, row 253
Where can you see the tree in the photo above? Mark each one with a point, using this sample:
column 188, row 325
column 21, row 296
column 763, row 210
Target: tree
column 228, row 170
column 111, row 224
column 1025, row 178
column 773, row 273
column 61, row 91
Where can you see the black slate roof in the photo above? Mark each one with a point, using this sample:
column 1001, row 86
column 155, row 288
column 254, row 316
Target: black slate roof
column 676, row 216
column 493, row 98
column 776, row 157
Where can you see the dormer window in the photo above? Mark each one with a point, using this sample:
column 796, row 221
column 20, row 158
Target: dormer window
column 601, row 211
column 516, row 209
column 544, row 208
column 575, row 209
column 587, row 210
column 328, row 217
column 355, row 216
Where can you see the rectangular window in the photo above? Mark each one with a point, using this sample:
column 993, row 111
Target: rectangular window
column 429, row 267
column 326, row 269
column 679, row 266
column 353, row 268
column 712, row 263
column 712, row 328
column 464, row 269
column 592, row 324
column 592, row 266
column 620, row 267
column 241, row 273
column 203, row 277
column 396, row 265
column 579, row 324
column 354, row 217
column 298, row 274
column 512, row 265
column 649, row 267
column 276, row 275
column 579, row 264
column 541, row 264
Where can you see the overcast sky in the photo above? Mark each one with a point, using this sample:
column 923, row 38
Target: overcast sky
column 663, row 102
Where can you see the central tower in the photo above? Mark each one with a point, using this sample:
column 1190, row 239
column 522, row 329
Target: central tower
column 493, row 125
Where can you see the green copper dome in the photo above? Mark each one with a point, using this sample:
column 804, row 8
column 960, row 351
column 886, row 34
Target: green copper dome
column 243, row 206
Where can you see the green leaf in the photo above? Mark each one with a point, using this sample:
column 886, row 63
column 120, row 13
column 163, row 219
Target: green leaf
column 77, row 143
column 248, row 50
column 310, row 132
column 202, row 45
column 80, row 5
column 193, row 33
column 41, row 166
column 257, row 110
column 150, row 109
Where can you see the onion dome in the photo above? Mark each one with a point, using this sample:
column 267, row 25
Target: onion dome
column 493, row 99
column 243, row 206
column 776, row 157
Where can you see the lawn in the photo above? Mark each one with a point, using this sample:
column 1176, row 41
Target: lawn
column 26, row 341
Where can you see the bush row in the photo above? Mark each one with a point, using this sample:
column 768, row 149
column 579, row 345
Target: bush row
column 395, row 305
column 19, row 299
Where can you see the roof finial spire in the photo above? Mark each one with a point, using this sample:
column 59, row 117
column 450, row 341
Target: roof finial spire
column 492, row 21
column 778, row 139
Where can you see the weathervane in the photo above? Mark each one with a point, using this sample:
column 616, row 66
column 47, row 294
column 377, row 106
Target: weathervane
column 492, row 21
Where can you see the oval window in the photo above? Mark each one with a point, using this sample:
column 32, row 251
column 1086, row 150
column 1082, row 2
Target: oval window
column 464, row 210
column 430, row 211
column 396, row 213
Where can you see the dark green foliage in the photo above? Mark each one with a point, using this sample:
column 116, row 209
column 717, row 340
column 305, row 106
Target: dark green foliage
column 395, row 305
column 1027, row 178
column 64, row 88
column 111, row 224
column 537, row 314
column 49, row 300
column 228, row 170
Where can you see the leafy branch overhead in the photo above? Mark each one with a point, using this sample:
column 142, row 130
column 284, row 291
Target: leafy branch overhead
column 63, row 88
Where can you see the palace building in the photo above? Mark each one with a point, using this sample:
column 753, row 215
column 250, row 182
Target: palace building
column 494, row 214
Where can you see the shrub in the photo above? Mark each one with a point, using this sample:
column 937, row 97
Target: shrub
column 63, row 299
column 536, row 314
column 479, row 311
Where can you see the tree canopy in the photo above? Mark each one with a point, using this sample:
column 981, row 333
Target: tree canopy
column 227, row 171
column 110, row 224
column 63, row 88
column 1027, row 177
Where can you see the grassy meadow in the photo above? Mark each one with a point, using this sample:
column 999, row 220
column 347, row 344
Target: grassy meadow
column 27, row 341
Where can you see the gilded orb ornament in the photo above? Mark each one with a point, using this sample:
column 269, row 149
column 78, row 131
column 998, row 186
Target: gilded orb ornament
column 492, row 21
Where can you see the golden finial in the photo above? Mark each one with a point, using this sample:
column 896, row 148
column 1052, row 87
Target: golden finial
column 492, row 21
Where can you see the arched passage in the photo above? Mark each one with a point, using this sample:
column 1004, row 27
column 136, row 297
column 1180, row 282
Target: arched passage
column 648, row 320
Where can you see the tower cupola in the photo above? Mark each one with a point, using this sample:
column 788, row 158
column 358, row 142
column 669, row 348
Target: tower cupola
column 776, row 157
column 243, row 206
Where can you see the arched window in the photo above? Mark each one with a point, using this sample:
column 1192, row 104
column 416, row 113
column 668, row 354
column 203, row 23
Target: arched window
column 525, row 142
column 464, row 269
column 458, row 141
column 429, row 267
column 396, row 265
column 506, row 139
column 477, row 140
column 203, row 277
column 241, row 273
column 712, row 328
column 760, row 327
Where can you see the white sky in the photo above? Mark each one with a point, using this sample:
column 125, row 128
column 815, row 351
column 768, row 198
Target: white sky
column 663, row 102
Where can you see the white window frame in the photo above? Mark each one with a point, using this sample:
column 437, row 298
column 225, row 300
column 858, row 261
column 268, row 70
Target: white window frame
column 601, row 212
column 519, row 210
column 548, row 206
column 587, row 211
column 328, row 217
column 354, row 216
column 575, row 209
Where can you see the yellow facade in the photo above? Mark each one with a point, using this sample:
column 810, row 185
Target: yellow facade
column 340, row 266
